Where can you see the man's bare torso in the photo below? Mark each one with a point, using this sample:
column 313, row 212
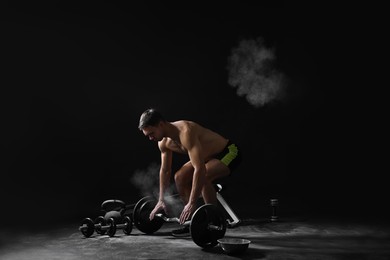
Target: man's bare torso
column 211, row 142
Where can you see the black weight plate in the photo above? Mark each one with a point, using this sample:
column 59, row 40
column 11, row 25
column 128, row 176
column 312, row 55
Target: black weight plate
column 201, row 234
column 143, row 223
column 87, row 227
column 99, row 222
column 129, row 225
column 137, row 207
column 112, row 230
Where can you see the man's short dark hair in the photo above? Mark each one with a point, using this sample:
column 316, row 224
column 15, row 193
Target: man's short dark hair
column 151, row 117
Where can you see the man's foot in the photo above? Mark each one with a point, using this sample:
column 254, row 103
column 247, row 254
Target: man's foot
column 183, row 232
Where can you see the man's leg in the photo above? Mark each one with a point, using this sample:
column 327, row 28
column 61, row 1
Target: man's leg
column 183, row 180
column 215, row 169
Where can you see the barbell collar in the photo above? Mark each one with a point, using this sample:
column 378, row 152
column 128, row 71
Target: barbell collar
column 213, row 227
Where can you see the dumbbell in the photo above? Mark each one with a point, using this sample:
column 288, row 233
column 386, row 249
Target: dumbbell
column 103, row 226
column 100, row 225
column 127, row 222
column 126, row 226
column 206, row 226
column 274, row 203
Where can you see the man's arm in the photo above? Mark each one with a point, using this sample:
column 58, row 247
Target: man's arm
column 165, row 176
column 199, row 178
column 194, row 149
column 165, row 169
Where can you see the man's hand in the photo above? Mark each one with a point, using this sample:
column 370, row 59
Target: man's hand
column 187, row 212
column 159, row 207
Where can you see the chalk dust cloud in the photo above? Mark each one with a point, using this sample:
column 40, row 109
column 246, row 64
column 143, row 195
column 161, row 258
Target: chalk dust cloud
column 253, row 73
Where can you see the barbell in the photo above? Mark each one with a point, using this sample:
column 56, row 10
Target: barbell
column 207, row 224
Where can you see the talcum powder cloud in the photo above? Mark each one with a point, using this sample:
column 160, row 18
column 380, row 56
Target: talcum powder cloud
column 147, row 181
column 252, row 71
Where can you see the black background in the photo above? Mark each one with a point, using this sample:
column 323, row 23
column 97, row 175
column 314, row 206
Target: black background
column 76, row 77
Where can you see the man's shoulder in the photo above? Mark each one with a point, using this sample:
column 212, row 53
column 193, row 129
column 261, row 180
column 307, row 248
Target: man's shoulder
column 184, row 123
column 189, row 125
column 163, row 143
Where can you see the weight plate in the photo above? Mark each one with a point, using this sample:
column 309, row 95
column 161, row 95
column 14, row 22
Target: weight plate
column 99, row 222
column 87, row 227
column 137, row 207
column 129, row 225
column 112, row 230
column 143, row 223
column 200, row 230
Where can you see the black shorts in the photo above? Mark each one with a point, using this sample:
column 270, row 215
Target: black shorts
column 230, row 156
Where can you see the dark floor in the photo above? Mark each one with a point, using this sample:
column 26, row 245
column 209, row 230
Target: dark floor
column 288, row 239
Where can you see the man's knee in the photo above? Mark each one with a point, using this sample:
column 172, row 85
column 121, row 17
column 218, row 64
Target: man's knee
column 216, row 170
column 178, row 178
column 183, row 176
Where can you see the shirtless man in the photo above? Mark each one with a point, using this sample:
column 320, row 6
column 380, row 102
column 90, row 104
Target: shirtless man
column 211, row 157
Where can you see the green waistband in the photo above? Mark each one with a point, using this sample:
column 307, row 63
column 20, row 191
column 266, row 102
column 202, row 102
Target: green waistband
column 231, row 155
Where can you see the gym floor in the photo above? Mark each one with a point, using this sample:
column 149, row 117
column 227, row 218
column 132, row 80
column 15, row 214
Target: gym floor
column 286, row 239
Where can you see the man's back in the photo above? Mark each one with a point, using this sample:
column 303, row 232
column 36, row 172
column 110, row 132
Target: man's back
column 210, row 141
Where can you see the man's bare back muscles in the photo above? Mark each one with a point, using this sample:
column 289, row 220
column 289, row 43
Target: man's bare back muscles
column 211, row 142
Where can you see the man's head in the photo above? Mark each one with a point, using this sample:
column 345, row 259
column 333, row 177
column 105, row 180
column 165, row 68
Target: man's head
column 150, row 124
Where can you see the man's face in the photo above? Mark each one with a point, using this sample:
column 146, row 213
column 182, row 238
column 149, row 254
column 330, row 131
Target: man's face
column 154, row 133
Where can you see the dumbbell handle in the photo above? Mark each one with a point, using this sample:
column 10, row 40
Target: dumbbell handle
column 84, row 227
column 103, row 227
column 120, row 226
